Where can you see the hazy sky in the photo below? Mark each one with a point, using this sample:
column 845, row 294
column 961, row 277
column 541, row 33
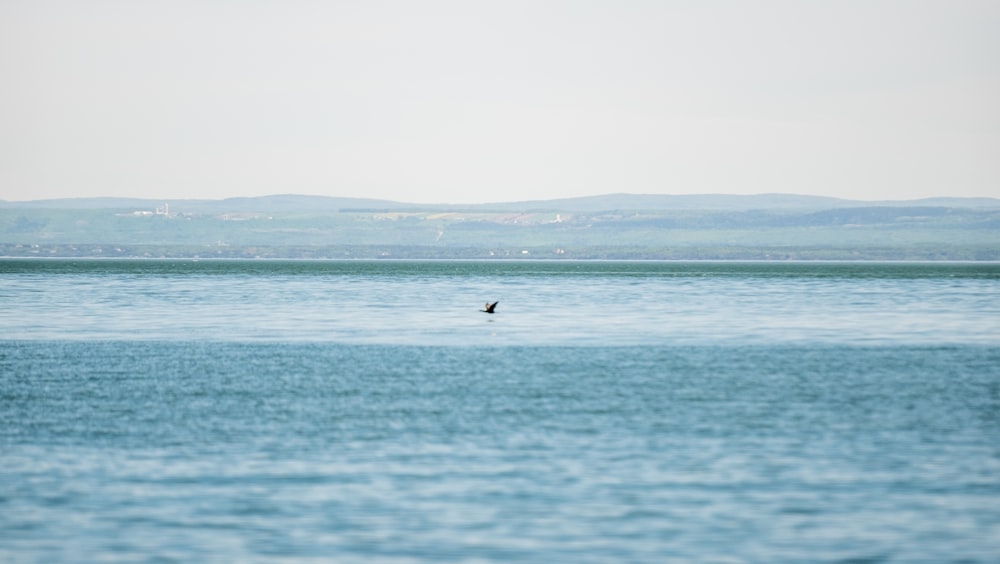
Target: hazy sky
column 462, row 101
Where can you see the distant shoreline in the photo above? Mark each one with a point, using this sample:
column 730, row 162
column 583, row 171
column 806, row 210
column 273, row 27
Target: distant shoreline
column 770, row 227
column 816, row 256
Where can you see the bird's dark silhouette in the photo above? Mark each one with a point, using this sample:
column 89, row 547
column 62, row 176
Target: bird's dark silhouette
column 490, row 307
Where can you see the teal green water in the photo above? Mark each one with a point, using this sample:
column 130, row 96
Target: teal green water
column 635, row 412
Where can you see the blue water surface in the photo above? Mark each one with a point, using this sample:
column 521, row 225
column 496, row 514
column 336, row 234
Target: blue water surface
column 609, row 412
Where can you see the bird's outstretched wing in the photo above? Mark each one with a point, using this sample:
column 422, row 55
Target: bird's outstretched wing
column 490, row 306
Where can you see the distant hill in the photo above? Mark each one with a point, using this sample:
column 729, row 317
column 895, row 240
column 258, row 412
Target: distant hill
column 638, row 226
column 587, row 204
column 275, row 203
column 984, row 203
column 686, row 202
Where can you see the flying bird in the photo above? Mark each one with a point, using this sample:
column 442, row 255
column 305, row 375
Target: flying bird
column 490, row 307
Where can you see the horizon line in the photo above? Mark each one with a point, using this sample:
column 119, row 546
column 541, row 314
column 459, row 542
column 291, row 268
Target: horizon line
column 500, row 202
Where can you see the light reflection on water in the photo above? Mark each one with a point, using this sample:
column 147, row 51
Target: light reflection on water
column 399, row 304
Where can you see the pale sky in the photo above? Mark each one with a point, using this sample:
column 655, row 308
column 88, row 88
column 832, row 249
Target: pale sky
column 462, row 101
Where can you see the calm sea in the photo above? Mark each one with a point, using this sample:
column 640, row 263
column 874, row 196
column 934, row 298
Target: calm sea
column 608, row 412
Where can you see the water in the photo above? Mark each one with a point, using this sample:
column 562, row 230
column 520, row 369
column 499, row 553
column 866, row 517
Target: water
column 609, row 412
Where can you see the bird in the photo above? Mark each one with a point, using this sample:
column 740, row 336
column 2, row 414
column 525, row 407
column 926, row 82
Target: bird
column 490, row 307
